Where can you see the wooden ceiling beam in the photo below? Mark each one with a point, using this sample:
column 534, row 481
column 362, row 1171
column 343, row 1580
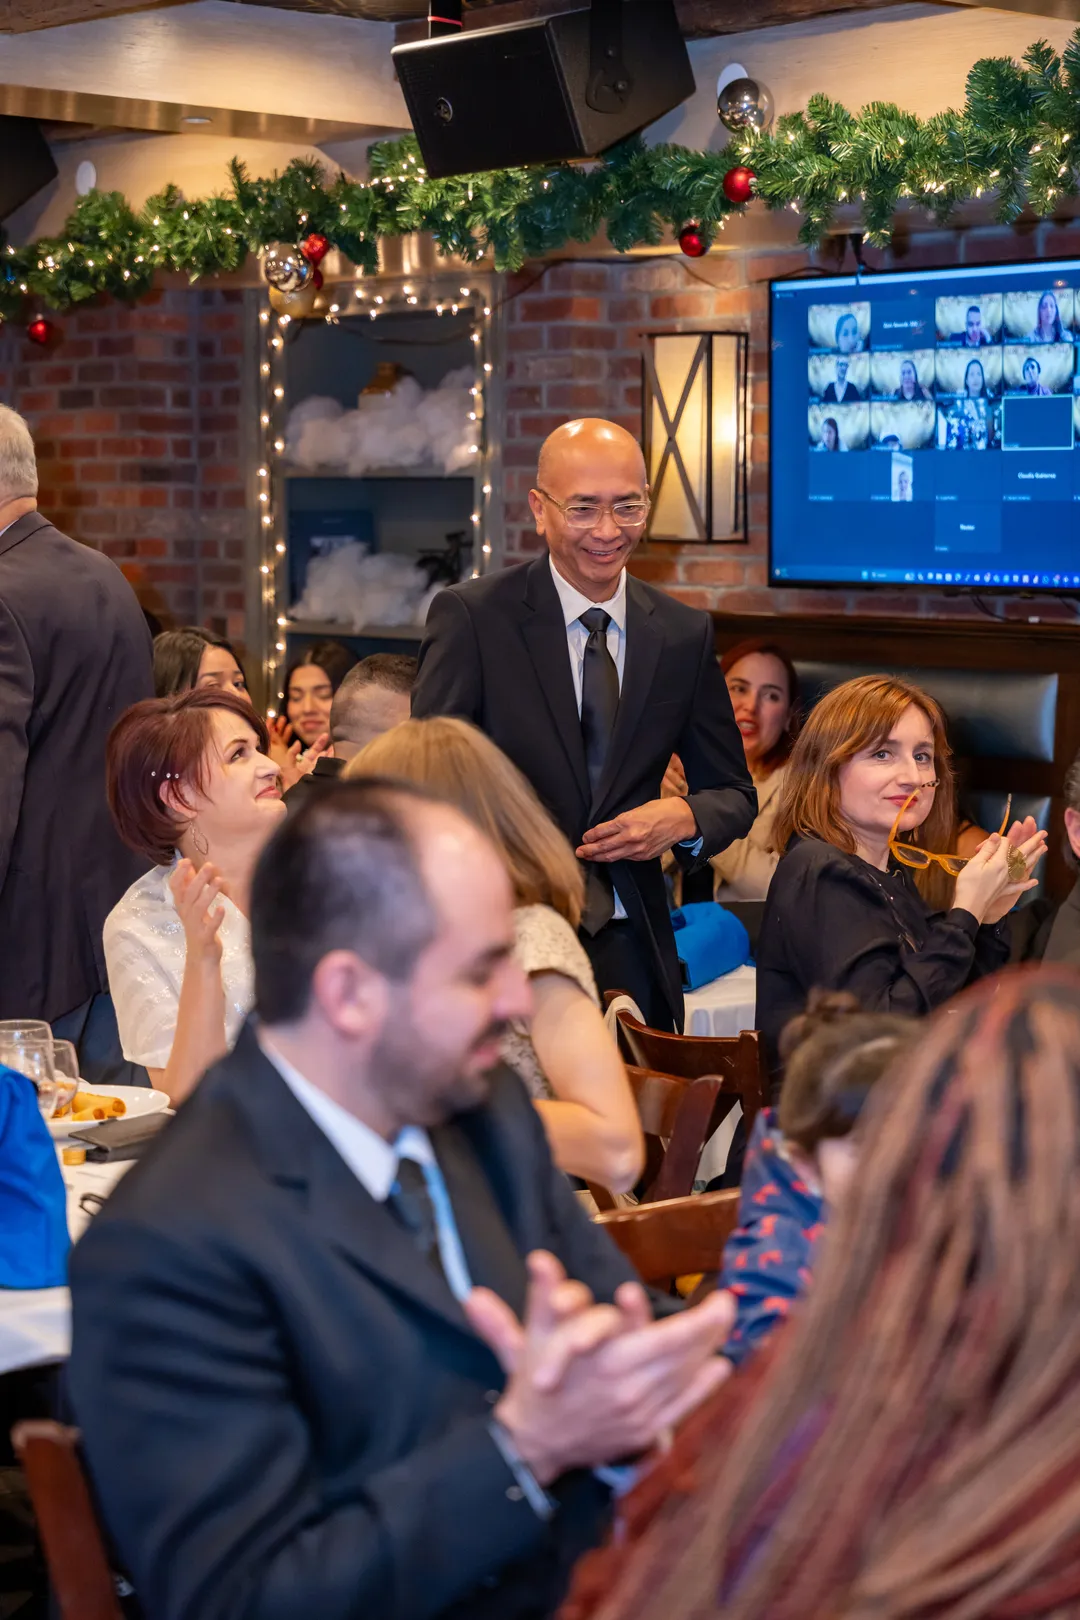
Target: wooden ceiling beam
column 29, row 16
column 700, row 19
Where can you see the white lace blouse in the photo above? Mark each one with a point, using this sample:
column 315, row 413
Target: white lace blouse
column 544, row 942
column 145, row 952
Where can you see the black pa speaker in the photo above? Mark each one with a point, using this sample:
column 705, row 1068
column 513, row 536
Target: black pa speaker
column 537, row 92
column 26, row 163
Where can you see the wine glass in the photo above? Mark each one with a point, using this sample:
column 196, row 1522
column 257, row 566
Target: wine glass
column 32, row 1055
column 36, row 1028
column 66, row 1067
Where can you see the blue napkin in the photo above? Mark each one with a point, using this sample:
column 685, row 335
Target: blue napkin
column 34, row 1238
column 710, row 942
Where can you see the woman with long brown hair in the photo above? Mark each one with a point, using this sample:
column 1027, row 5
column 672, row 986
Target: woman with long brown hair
column 868, row 796
column 912, row 1449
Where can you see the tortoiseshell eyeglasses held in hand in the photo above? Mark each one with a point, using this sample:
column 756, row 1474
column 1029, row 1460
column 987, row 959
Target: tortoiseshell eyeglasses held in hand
column 920, row 859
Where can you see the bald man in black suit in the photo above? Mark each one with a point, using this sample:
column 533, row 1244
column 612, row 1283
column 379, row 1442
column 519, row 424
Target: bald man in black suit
column 590, row 680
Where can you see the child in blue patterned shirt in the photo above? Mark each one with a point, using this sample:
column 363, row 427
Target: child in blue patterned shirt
column 801, row 1155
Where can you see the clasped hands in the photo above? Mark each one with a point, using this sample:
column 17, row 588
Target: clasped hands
column 640, row 834
column 1000, row 871
column 291, row 757
column 593, row 1384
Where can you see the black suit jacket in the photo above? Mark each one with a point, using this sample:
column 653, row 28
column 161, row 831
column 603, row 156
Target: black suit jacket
column 327, row 770
column 495, row 653
column 74, row 654
column 283, row 1408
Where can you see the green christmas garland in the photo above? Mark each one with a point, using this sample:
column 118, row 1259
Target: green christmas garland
column 1017, row 137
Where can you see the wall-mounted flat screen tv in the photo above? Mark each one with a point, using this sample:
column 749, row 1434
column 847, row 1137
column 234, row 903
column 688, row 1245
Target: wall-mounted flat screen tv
column 925, row 429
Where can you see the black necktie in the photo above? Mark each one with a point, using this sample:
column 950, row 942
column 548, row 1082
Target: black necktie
column 599, row 692
column 410, row 1201
column 599, row 703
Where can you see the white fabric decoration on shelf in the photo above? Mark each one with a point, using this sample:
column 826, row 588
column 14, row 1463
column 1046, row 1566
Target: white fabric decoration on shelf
column 352, row 588
column 407, row 427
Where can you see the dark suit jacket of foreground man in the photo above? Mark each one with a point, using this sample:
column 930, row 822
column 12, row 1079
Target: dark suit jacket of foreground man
column 283, row 1407
column 74, row 654
column 495, row 652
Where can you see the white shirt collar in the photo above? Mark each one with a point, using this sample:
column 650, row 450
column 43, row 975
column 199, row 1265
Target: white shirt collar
column 371, row 1158
column 574, row 604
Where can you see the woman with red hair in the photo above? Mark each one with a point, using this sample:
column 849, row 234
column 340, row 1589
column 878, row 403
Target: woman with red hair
column 868, row 798
column 192, row 790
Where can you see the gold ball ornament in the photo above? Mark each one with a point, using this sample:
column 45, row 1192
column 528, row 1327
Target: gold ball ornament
column 298, row 304
column 285, row 267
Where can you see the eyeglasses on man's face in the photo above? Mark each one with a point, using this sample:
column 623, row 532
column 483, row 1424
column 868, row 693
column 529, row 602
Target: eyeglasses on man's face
column 628, row 514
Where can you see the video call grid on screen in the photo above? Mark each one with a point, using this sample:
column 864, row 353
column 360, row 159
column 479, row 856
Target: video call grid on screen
column 879, row 384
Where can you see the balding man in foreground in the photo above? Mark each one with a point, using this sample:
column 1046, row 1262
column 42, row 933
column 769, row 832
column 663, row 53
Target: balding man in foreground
column 590, row 680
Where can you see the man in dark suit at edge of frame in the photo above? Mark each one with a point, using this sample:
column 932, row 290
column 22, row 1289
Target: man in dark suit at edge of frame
column 590, row 680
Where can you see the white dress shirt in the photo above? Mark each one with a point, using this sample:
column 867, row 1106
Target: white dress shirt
column 374, row 1161
column 573, row 606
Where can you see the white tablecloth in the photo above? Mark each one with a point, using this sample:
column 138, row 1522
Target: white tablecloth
column 35, row 1324
column 724, row 1007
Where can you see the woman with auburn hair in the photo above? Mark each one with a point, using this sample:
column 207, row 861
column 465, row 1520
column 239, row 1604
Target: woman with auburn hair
column 867, row 801
column 566, row 1058
column 910, row 1445
column 192, row 790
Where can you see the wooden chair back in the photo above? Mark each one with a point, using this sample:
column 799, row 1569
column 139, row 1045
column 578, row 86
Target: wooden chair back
column 79, row 1572
column 677, row 1117
column 738, row 1061
column 675, row 1237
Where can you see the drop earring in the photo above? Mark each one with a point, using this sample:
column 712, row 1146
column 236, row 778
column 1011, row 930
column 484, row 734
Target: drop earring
column 201, row 846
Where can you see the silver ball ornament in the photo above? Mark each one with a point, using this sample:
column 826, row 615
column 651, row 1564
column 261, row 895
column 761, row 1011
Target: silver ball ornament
column 285, row 267
column 744, row 104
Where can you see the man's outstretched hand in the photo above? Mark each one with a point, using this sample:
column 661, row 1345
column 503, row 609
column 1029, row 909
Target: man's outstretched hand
column 640, row 834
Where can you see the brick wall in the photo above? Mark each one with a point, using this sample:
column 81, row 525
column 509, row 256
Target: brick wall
column 574, row 350
column 145, row 419
column 141, row 418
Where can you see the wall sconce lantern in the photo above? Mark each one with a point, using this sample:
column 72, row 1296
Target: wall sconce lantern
column 695, row 402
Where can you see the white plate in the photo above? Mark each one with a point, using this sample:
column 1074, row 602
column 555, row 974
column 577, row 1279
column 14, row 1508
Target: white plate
column 140, row 1101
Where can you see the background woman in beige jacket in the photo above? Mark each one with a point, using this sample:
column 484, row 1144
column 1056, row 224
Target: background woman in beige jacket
column 764, row 689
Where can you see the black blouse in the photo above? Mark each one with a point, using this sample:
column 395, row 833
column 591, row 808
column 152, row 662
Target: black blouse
column 833, row 920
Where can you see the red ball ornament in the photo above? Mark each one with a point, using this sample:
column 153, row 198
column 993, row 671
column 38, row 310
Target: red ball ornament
column 317, row 277
column 739, row 185
column 39, row 330
column 690, row 240
column 315, row 248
